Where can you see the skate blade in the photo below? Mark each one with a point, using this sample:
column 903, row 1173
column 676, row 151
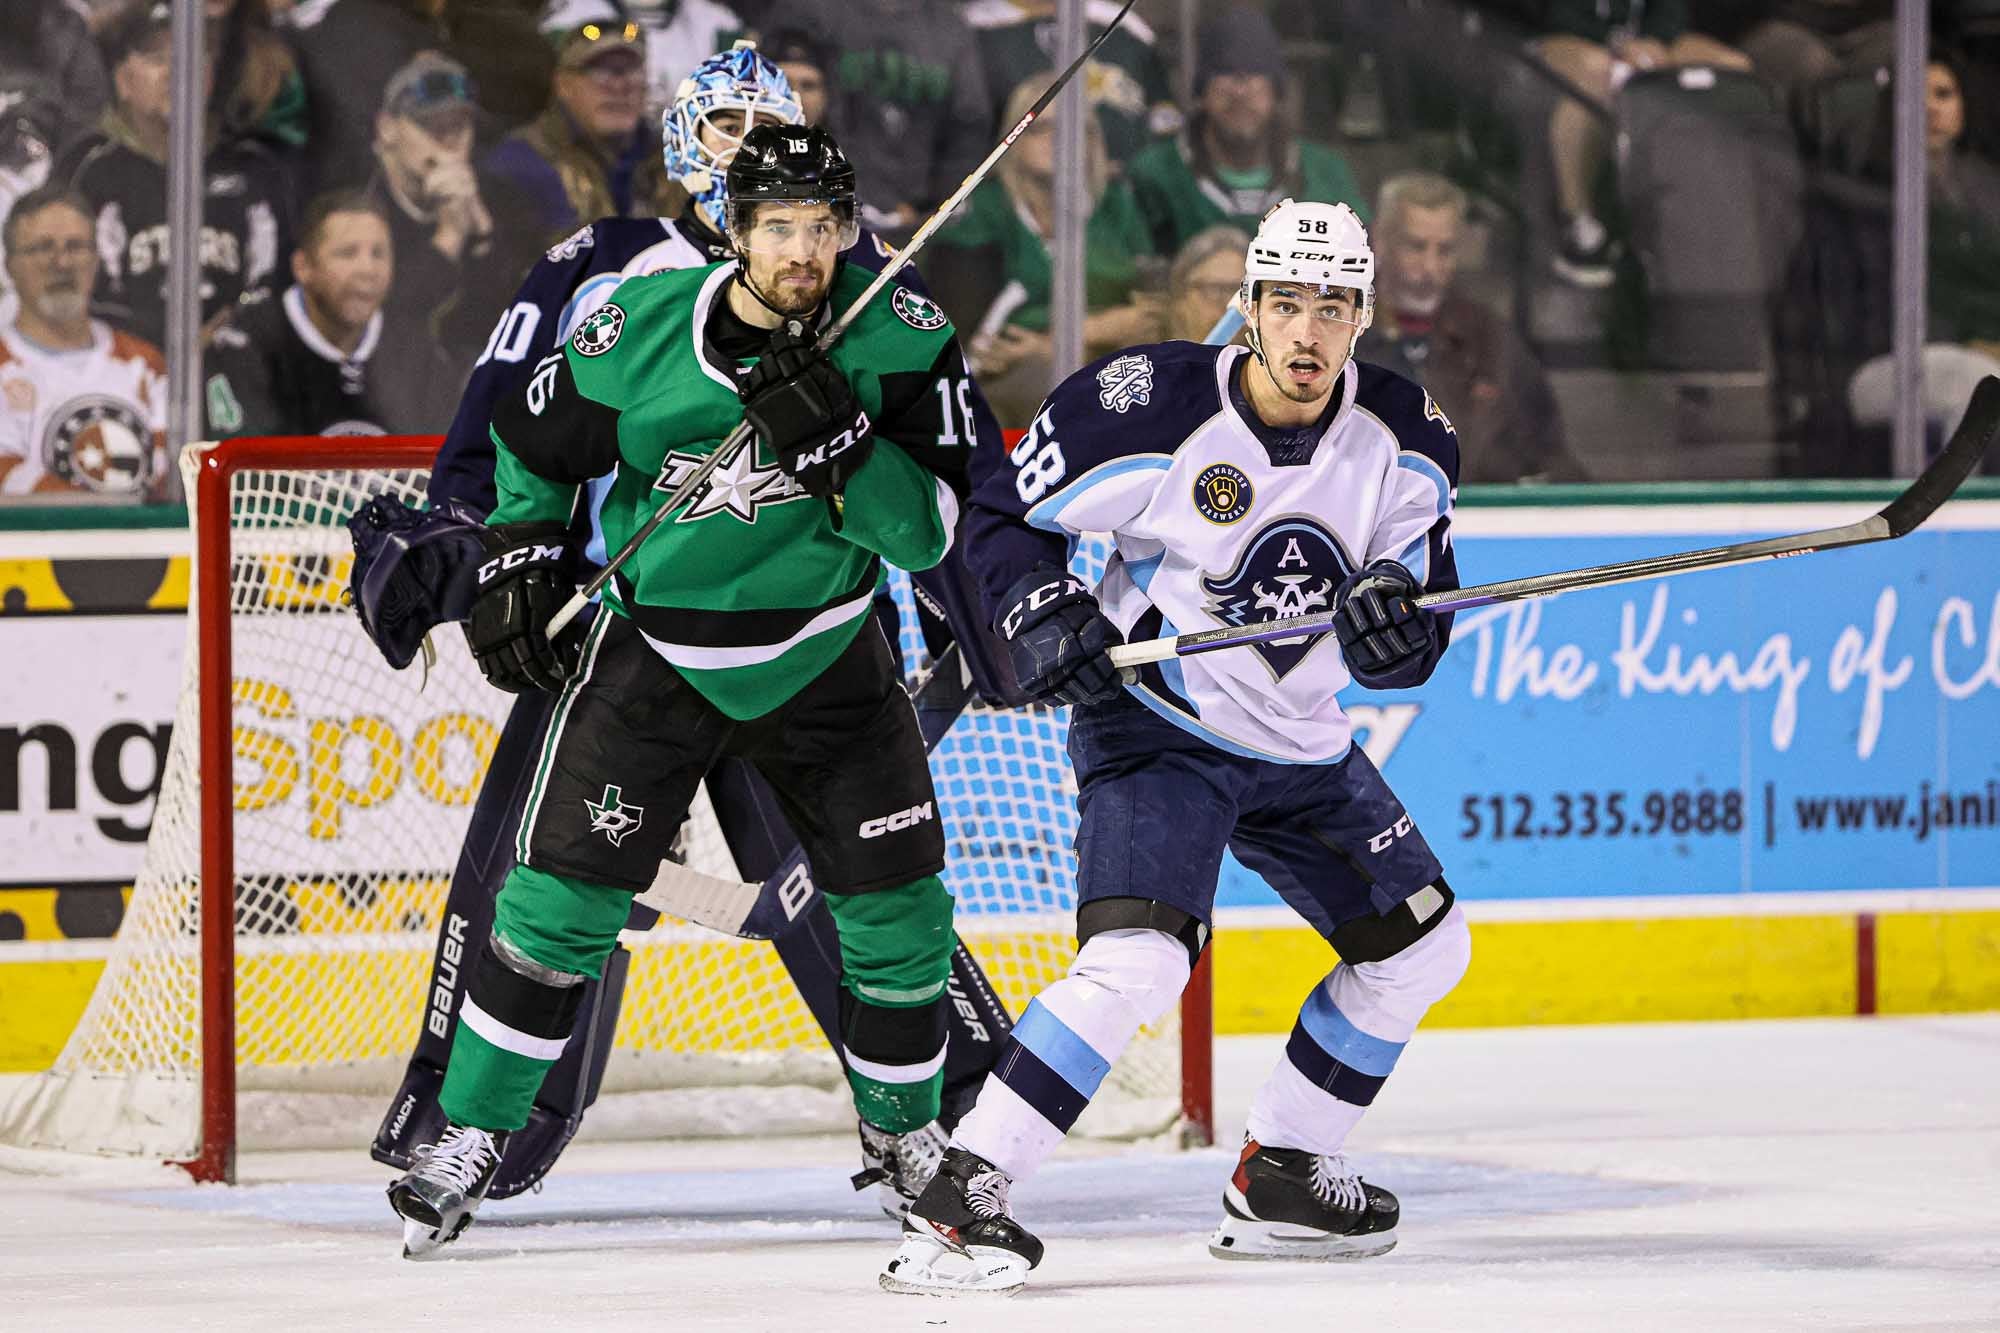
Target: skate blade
column 925, row 1267
column 422, row 1240
column 1241, row 1238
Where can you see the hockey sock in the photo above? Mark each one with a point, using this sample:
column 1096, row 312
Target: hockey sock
column 550, row 935
column 1350, row 1032
column 1067, row 1041
column 895, row 955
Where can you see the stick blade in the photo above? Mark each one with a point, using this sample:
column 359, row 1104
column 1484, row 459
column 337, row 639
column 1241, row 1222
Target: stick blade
column 1953, row 465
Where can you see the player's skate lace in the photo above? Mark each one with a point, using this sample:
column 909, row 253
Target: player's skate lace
column 1335, row 1182
column 986, row 1194
column 459, row 1157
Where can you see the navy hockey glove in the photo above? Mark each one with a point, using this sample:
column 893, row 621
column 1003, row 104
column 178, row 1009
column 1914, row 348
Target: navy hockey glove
column 804, row 409
column 523, row 581
column 1384, row 635
column 414, row 569
column 1059, row 639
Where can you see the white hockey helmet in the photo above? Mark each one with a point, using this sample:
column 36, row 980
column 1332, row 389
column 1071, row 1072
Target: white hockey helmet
column 1319, row 245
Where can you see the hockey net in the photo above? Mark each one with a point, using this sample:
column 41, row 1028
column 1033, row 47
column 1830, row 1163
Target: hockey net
column 344, row 796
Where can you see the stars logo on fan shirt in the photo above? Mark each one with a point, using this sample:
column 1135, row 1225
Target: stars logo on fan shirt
column 916, row 311
column 101, row 444
column 612, row 817
column 599, row 334
column 1125, row 383
column 738, row 488
column 1291, row 568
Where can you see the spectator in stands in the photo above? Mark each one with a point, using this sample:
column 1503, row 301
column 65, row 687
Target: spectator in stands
column 808, row 67
column 1596, row 45
column 258, row 90
column 677, row 35
column 1238, row 155
column 994, row 265
column 592, row 152
column 1127, row 81
column 121, row 168
column 82, row 405
column 1795, row 43
column 1963, row 342
column 48, row 59
column 25, row 158
column 909, row 100
column 324, row 359
column 1203, row 281
column 1473, row 363
column 454, row 229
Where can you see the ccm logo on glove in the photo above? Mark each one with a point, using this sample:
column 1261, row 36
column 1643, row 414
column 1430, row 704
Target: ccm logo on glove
column 519, row 556
column 1046, row 595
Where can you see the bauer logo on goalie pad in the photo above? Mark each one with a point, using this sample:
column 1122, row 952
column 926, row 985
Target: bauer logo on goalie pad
column 614, row 819
column 599, row 334
column 1126, row 383
column 915, row 311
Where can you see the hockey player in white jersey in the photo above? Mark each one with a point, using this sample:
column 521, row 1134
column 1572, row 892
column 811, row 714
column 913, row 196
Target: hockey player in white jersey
column 1239, row 486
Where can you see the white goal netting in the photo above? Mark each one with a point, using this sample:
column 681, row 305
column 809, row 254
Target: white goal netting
column 352, row 786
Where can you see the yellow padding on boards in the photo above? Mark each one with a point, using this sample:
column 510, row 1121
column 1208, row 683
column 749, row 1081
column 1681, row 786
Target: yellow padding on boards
column 1937, row 962
column 42, row 1003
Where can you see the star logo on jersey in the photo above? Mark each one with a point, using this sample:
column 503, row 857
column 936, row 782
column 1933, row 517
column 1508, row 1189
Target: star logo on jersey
column 612, row 817
column 599, row 334
column 1291, row 568
column 1222, row 494
column 916, row 311
column 738, row 488
column 101, row 444
column 1125, row 383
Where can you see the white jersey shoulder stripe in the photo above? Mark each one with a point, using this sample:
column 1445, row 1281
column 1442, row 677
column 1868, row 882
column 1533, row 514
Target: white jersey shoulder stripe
column 1048, row 512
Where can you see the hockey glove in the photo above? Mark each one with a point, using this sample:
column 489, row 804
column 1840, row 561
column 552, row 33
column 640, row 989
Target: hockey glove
column 523, row 581
column 413, row 570
column 1387, row 639
column 1059, row 640
column 805, row 411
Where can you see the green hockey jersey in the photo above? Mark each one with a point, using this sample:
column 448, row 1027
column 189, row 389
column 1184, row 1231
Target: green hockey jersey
column 754, row 586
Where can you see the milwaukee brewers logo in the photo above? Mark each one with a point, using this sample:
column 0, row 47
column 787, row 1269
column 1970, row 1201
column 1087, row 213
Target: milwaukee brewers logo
column 101, row 444
column 1291, row 568
column 1222, row 493
column 599, row 334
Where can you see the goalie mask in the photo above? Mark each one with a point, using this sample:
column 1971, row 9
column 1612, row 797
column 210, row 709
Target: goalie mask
column 738, row 80
column 1320, row 248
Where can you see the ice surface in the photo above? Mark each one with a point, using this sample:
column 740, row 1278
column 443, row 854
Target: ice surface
column 1756, row 1176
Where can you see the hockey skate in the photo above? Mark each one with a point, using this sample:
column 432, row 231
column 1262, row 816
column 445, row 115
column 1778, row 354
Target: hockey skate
column 444, row 1187
column 958, row 1239
column 1287, row 1203
column 899, row 1165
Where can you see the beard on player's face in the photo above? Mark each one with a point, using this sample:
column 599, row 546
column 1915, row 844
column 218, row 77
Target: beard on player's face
column 795, row 286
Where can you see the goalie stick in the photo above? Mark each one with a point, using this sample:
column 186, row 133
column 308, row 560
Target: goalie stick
column 1900, row 517
column 744, row 433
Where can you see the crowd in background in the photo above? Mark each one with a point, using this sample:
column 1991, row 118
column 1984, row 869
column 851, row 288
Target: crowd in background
column 380, row 173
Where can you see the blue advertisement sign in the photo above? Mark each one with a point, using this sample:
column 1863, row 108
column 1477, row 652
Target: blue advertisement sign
column 1831, row 722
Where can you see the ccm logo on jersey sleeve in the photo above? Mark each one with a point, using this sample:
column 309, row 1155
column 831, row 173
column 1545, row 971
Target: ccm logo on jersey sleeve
column 896, row 823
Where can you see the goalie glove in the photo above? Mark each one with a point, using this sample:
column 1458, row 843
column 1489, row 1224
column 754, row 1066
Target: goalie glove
column 1388, row 640
column 1059, row 639
column 523, row 581
column 805, row 411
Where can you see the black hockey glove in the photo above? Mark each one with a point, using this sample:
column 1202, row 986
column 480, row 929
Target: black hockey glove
column 1059, row 639
column 804, row 409
column 523, row 581
column 1384, row 635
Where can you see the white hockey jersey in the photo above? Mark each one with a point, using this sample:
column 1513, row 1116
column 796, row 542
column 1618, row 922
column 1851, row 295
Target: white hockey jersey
column 95, row 418
column 1218, row 520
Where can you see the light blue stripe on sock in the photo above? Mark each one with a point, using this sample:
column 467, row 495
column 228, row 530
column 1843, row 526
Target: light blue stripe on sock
column 1060, row 1049
column 1342, row 1040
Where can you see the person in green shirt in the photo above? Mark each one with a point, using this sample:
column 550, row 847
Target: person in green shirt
column 741, row 626
column 995, row 271
column 1126, row 80
column 1237, row 157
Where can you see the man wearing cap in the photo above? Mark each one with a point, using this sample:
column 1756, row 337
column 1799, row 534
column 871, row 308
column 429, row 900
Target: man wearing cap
column 590, row 153
column 121, row 168
column 1238, row 155
column 441, row 210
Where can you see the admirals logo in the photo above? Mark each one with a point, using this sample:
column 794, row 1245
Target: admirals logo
column 1126, row 383
column 916, row 311
column 599, row 334
column 1432, row 412
column 1222, row 493
column 572, row 245
column 101, row 444
column 613, row 818
column 1290, row 569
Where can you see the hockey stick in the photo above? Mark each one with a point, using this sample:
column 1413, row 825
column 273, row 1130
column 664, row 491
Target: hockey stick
column 744, row 434
column 1898, row 518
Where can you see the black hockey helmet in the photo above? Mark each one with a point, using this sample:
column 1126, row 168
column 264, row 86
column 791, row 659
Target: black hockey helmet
column 789, row 164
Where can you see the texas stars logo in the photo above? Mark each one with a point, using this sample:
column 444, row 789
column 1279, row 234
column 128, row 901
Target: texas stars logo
column 599, row 334
column 916, row 311
column 1291, row 568
column 613, row 818
column 738, row 488
column 101, row 444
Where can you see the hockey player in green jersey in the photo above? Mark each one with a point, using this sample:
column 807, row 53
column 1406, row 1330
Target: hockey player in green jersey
column 740, row 627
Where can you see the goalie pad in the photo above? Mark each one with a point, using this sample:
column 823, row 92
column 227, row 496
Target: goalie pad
column 414, row 570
